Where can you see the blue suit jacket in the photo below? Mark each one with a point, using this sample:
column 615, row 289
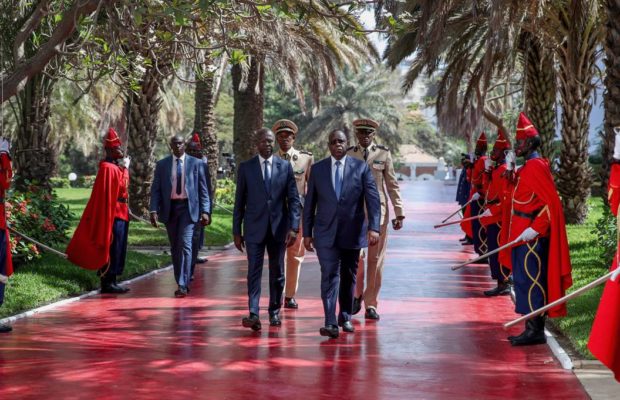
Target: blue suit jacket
column 195, row 186
column 341, row 223
column 257, row 210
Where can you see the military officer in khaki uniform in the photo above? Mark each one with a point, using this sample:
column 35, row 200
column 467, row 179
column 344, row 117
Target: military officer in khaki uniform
column 379, row 160
column 301, row 161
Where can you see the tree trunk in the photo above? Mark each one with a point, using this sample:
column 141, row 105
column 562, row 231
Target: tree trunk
column 612, row 87
column 540, row 93
column 142, row 110
column 249, row 98
column 577, row 57
column 204, row 122
column 35, row 155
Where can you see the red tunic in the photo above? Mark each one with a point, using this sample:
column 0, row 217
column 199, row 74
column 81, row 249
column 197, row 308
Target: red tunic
column 604, row 340
column 475, row 176
column 535, row 198
column 497, row 186
column 6, row 175
column 90, row 246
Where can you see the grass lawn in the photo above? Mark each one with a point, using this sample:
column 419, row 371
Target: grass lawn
column 587, row 266
column 142, row 234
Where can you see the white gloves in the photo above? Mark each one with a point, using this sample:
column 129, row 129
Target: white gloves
column 127, row 161
column 511, row 159
column 488, row 163
column 616, row 273
column 4, row 279
column 486, row 213
column 528, row 235
column 475, row 196
column 616, row 144
column 5, row 145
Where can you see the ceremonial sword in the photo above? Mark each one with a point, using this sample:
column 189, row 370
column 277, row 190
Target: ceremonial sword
column 41, row 245
column 457, row 211
column 490, row 253
column 458, row 222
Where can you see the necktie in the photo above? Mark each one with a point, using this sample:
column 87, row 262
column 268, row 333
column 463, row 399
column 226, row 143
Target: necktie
column 179, row 176
column 267, row 177
column 338, row 180
column 365, row 154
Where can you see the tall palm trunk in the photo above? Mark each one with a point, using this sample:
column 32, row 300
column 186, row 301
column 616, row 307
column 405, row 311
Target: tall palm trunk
column 248, row 91
column 206, row 96
column 35, row 155
column 577, row 57
column 142, row 109
column 612, row 85
column 540, row 92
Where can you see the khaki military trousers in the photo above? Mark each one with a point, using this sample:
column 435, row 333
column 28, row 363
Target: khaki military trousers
column 294, row 258
column 374, row 272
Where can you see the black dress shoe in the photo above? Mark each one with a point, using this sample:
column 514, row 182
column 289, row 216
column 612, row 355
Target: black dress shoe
column 330, row 331
column 357, row 305
column 275, row 320
column 201, row 260
column 371, row 313
column 181, row 292
column 5, row 328
column 502, row 289
column 347, row 326
column 252, row 322
column 289, row 302
column 113, row 289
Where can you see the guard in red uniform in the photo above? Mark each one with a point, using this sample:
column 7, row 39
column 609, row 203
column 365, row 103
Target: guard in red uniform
column 478, row 193
column 497, row 187
column 6, row 263
column 100, row 240
column 604, row 340
column 541, row 267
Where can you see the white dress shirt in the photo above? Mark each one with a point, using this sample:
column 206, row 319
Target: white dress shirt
column 174, row 195
column 342, row 160
column 262, row 165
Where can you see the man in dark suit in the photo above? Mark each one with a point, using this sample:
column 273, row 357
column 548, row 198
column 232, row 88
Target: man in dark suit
column 180, row 199
column 267, row 204
column 335, row 223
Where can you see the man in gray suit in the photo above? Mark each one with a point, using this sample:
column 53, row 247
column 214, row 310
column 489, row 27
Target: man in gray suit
column 180, row 199
column 267, row 205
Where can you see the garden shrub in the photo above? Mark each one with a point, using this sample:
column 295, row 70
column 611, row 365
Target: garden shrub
column 606, row 231
column 225, row 192
column 59, row 182
column 39, row 215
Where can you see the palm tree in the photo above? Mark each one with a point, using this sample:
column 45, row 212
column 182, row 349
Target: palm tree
column 368, row 94
column 302, row 55
column 476, row 41
column 612, row 83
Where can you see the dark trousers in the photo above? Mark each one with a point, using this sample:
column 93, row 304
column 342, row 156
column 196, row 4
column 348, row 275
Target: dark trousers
column 180, row 228
column 529, row 274
column 256, row 254
column 338, row 271
column 480, row 234
column 118, row 248
column 198, row 239
column 498, row 271
column 3, row 249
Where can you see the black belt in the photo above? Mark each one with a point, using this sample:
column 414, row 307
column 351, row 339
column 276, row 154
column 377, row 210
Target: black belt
column 493, row 202
column 178, row 200
column 121, row 200
column 531, row 215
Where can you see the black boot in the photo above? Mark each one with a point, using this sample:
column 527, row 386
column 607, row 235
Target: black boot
column 467, row 242
column 502, row 289
column 108, row 285
column 122, row 289
column 534, row 333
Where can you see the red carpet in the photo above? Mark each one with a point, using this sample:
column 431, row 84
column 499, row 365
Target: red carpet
column 438, row 337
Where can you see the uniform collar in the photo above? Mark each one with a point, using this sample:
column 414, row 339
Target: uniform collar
column 290, row 153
